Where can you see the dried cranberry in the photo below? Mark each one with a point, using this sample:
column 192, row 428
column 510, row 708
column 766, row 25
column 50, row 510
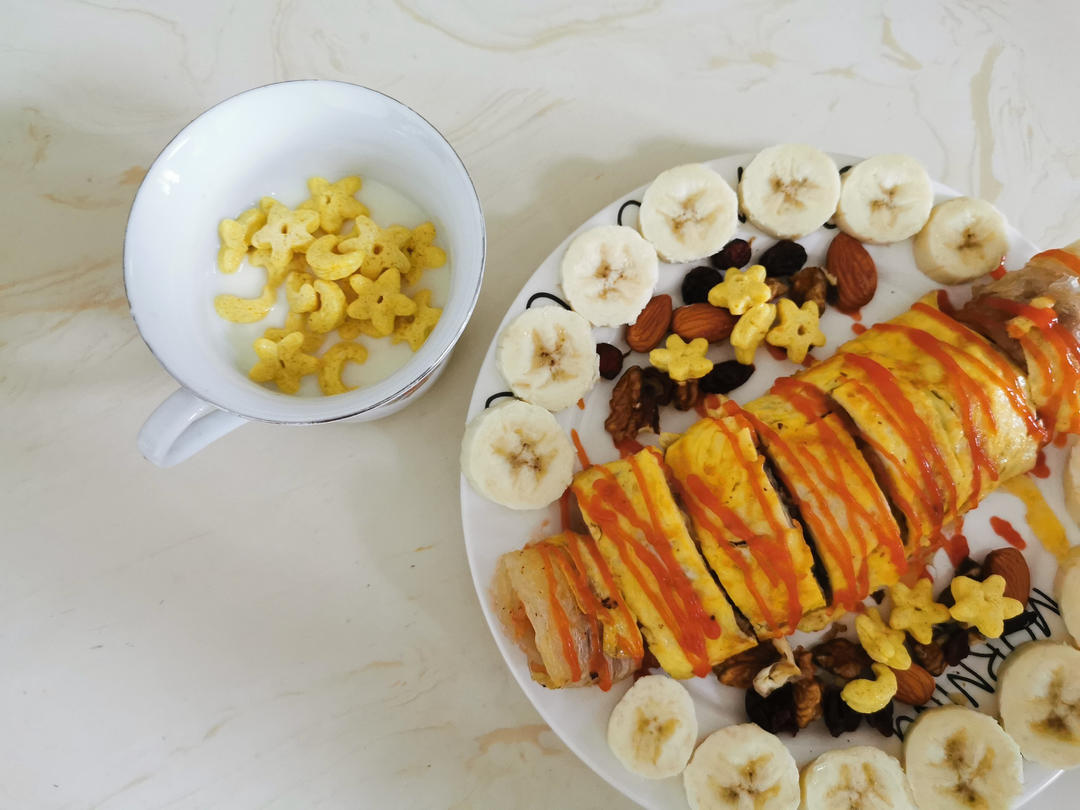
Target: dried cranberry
column 725, row 377
column 882, row 720
column 735, row 253
column 839, row 717
column 957, row 646
column 785, row 258
column 611, row 359
column 697, row 283
column 774, row 713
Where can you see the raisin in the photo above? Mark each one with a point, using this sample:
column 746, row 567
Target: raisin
column 839, row 717
column 957, row 646
column 697, row 283
column 882, row 720
column 611, row 359
column 785, row 258
column 735, row 253
column 725, row 377
column 774, row 713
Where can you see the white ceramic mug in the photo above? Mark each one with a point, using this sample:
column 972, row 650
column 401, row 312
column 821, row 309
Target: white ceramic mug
column 268, row 141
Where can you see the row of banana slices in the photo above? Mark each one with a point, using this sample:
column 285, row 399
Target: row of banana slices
column 519, row 457
column 955, row 758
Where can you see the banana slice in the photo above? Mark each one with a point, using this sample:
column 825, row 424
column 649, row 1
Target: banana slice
column 608, row 274
column 1067, row 590
column 517, row 455
column 689, row 212
column 960, row 759
column 862, row 777
column 653, row 728
column 1072, row 485
column 789, row 190
column 740, row 767
column 548, row 356
column 1040, row 702
column 963, row 240
column 884, row 199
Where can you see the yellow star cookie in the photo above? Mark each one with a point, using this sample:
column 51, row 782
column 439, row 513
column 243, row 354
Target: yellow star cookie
column 983, row 605
column 283, row 362
column 415, row 329
column 915, row 611
column 380, row 301
column 236, row 238
column 741, row 290
column 880, row 641
column 682, row 361
column 750, row 330
column 382, row 249
column 334, row 202
column 421, row 253
column 285, row 232
column 334, row 361
column 796, row 329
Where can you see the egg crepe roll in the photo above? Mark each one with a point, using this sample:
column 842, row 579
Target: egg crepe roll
column 684, row 616
column 557, row 599
column 741, row 526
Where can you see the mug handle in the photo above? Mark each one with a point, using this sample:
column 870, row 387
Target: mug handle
column 181, row 426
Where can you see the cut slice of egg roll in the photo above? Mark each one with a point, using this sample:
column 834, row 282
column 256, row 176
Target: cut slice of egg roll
column 1033, row 315
column 640, row 532
column 742, row 528
column 843, row 512
column 558, row 600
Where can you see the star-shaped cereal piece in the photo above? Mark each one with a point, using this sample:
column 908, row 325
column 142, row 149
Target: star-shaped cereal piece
column 421, row 253
column 328, row 262
column 382, row 249
column 334, row 361
column 682, row 361
column 334, row 202
column 741, row 290
column 750, row 330
column 295, row 322
column 880, row 641
column 415, row 329
column 285, row 232
column 796, row 329
column 283, row 362
column 983, row 605
column 380, row 301
column 245, row 310
column 236, row 238
column 915, row 611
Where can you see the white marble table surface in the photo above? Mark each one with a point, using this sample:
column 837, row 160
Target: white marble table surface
column 274, row 623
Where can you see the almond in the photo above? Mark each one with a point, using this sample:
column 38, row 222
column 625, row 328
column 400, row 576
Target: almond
column 702, row 321
column 651, row 326
column 914, row 686
column 854, row 270
column 1010, row 564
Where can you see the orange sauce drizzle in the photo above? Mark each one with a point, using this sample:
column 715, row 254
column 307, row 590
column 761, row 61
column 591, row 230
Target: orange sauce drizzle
column 633, row 646
column 1007, row 533
column 628, row 447
column 1068, row 259
column 559, row 617
column 1040, row 470
column 581, row 404
column 858, row 328
column 564, row 509
column 583, row 457
column 572, row 569
column 999, row 271
column 956, row 547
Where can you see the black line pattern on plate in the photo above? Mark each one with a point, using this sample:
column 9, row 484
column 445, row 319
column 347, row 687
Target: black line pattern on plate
column 618, row 217
column 500, row 395
column 967, row 680
column 547, row 295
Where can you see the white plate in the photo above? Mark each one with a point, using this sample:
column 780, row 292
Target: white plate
column 579, row 716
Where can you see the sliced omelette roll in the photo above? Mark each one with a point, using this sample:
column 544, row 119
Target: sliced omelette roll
column 741, row 525
column 557, row 599
column 844, row 513
column 1033, row 315
column 639, row 530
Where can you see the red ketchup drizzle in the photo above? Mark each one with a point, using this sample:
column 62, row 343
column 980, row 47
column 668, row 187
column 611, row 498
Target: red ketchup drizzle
column 583, row 457
column 1040, row 470
column 1007, row 533
column 558, row 615
column 957, row 549
column 628, row 447
column 572, row 567
column 858, row 328
column 1070, row 260
column 999, row 271
column 634, row 645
